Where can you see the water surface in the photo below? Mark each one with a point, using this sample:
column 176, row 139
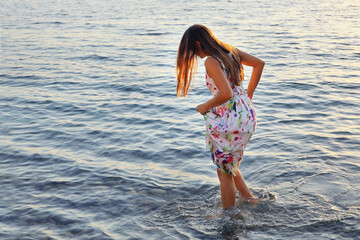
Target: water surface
column 95, row 144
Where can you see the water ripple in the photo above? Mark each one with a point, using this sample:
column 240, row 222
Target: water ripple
column 95, row 144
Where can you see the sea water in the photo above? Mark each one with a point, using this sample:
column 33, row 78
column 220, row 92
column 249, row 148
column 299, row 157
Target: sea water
column 95, row 145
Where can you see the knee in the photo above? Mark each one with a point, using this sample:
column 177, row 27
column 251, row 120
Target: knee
column 223, row 176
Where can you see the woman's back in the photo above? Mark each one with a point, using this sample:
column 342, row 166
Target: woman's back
column 237, row 89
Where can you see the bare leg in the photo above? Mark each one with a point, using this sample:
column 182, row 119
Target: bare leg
column 243, row 189
column 227, row 187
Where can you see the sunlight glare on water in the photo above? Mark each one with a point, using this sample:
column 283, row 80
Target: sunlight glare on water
column 96, row 145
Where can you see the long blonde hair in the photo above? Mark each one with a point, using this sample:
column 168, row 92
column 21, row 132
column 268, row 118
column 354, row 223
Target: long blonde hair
column 210, row 45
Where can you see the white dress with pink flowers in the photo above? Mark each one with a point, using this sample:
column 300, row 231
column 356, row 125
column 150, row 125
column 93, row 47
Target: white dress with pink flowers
column 229, row 127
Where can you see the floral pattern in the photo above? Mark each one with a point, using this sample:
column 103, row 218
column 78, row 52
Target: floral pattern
column 229, row 128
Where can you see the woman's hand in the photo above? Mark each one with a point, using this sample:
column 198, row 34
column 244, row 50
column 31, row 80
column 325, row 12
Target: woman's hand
column 202, row 108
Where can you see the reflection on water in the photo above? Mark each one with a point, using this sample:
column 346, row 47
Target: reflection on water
column 95, row 144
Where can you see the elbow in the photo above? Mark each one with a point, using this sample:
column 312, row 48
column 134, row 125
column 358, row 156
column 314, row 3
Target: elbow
column 224, row 97
column 228, row 96
column 259, row 65
column 262, row 63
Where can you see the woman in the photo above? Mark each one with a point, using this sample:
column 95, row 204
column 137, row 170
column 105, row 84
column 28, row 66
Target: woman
column 229, row 115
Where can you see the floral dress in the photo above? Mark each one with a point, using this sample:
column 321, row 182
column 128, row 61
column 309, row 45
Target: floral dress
column 229, row 127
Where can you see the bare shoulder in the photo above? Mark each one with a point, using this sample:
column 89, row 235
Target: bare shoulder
column 211, row 62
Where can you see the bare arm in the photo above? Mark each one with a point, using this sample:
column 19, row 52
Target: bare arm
column 258, row 66
column 213, row 69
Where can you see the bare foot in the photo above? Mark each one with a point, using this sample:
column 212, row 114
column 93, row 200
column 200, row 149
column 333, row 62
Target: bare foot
column 251, row 200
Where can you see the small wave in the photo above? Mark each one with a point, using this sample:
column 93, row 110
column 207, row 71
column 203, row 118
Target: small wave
column 333, row 225
column 301, row 86
column 94, row 57
column 295, row 174
column 153, row 34
column 30, row 77
column 296, row 121
column 55, row 22
column 65, row 108
column 35, row 216
column 64, row 83
column 357, row 55
column 322, row 55
column 40, row 102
